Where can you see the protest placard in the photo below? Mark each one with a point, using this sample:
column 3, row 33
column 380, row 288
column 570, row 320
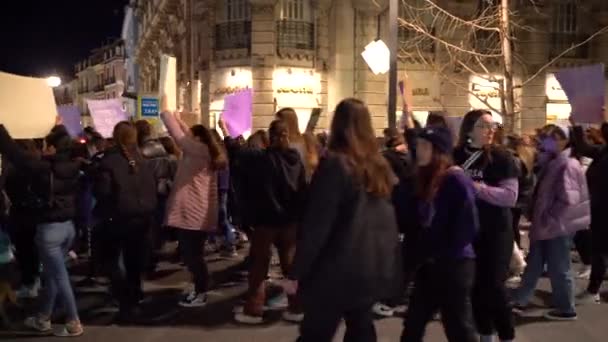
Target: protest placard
column 585, row 87
column 106, row 114
column 237, row 112
column 27, row 106
column 315, row 115
column 168, row 81
column 70, row 115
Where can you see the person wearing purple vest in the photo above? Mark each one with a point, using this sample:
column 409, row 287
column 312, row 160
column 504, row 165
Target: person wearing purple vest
column 560, row 208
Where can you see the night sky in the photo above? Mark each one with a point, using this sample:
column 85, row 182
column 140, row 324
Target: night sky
column 44, row 37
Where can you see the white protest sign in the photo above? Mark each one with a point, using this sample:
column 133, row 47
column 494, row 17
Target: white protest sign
column 27, row 106
column 168, row 81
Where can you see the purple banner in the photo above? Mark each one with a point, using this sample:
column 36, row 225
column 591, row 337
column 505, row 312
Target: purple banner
column 106, row 114
column 70, row 115
column 585, row 88
column 237, row 112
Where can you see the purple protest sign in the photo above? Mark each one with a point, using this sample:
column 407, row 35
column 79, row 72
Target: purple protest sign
column 237, row 112
column 106, row 114
column 70, row 115
column 585, row 88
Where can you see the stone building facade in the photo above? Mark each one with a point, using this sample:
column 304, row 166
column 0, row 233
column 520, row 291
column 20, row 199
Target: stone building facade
column 100, row 76
column 307, row 53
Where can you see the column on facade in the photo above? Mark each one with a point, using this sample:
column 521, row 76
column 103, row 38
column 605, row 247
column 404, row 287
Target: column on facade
column 322, row 19
column 342, row 54
column 263, row 55
column 533, row 46
column 205, row 14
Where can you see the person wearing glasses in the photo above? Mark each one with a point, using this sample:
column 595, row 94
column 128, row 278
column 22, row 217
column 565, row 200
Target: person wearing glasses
column 495, row 175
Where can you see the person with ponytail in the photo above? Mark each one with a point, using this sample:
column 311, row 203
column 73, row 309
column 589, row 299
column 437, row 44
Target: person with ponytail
column 125, row 189
column 495, row 175
column 192, row 207
column 297, row 141
column 278, row 178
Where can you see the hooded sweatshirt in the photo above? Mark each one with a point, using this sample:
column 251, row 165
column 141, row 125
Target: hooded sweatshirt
column 276, row 179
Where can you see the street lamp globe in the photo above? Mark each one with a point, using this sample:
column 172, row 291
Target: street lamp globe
column 53, row 81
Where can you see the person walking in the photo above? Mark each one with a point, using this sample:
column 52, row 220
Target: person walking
column 560, row 208
column 598, row 192
column 280, row 184
column 55, row 185
column 495, row 176
column 348, row 253
column 192, row 207
column 125, row 189
column 448, row 214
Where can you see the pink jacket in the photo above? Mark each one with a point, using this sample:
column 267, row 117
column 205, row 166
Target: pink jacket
column 561, row 202
column 193, row 202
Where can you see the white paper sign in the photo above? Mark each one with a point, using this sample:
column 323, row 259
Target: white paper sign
column 27, row 106
column 168, row 80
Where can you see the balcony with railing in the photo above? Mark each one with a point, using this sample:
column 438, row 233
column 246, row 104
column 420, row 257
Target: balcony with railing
column 299, row 35
column 561, row 42
column 233, row 35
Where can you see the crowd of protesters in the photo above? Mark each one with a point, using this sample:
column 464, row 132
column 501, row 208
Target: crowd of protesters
column 431, row 218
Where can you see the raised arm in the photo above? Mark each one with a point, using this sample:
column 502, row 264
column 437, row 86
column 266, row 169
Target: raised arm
column 582, row 147
column 16, row 155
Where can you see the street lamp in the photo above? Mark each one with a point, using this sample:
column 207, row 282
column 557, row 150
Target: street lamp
column 53, row 81
column 382, row 58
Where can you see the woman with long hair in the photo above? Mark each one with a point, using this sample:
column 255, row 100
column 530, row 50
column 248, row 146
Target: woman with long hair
column 277, row 177
column 193, row 204
column 306, row 148
column 560, row 208
column 125, row 189
column 348, row 251
column 447, row 213
column 54, row 186
column 494, row 172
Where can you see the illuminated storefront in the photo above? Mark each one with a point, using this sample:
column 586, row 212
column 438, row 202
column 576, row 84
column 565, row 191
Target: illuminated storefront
column 298, row 88
column 489, row 91
column 226, row 81
column 558, row 108
column 424, row 94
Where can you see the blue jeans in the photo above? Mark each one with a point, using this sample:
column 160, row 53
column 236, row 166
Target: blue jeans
column 555, row 253
column 224, row 221
column 54, row 241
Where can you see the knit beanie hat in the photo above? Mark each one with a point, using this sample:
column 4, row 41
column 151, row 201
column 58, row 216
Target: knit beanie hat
column 440, row 137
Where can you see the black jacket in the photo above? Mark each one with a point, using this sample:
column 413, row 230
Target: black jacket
column 275, row 184
column 123, row 193
column 348, row 250
column 54, row 182
column 163, row 166
column 403, row 196
column 596, row 181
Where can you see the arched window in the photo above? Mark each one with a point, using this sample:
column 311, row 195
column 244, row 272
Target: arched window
column 295, row 25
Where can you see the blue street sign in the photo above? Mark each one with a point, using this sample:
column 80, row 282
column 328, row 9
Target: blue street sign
column 149, row 107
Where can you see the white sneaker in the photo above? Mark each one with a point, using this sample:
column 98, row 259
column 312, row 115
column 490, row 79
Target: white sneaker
column 28, row 292
column 383, row 310
column 39, row 325
column 194, row 300
column 584, row 272
column 588, row 298
column 293, row 317
column 248, row 319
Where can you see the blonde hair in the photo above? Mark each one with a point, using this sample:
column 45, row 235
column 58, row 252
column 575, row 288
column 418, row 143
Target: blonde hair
column 289, row 116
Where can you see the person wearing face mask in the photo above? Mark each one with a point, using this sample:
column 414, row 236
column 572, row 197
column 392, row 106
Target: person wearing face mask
column 560, row 208
column 445, row 201
column 495, row 174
